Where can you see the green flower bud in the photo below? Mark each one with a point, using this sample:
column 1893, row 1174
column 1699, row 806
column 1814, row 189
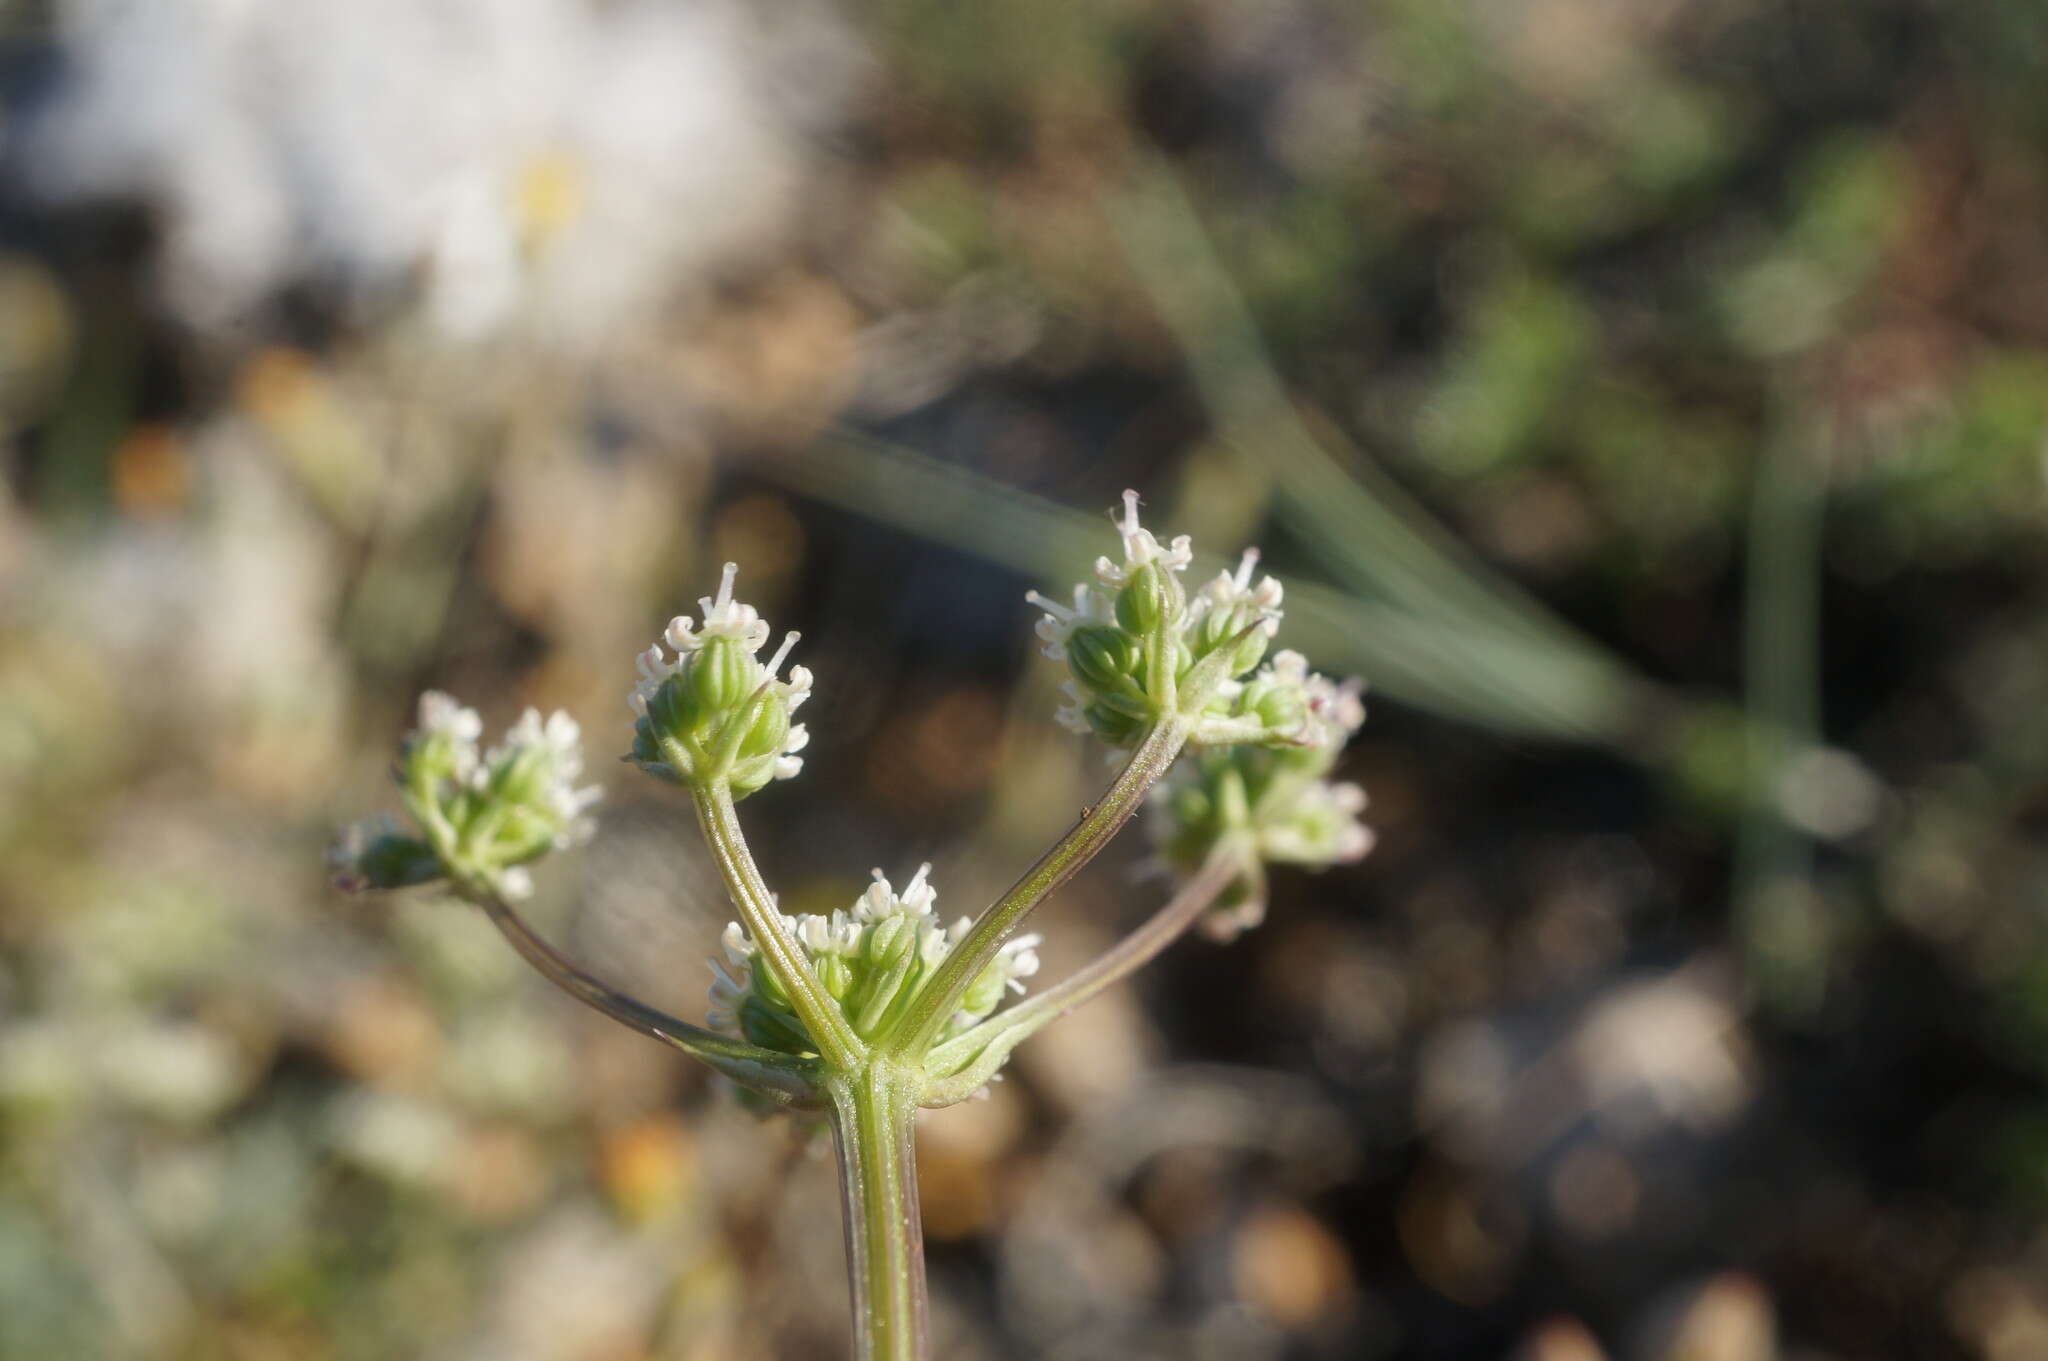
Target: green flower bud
column 1113, row 725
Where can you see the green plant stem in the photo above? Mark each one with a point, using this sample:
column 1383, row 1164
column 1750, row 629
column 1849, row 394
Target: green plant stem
column 975, row 1056
column 873, row 1127
column 838, row 1046
column 773, row 1074
column 939, row 998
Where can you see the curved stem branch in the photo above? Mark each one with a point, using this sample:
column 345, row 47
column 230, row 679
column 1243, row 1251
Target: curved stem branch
column 840, row 1048
column 766, row 1070
column 976, row 1054
column 939, row 998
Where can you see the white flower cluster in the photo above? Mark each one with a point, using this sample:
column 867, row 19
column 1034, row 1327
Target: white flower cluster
column 1136, row 608
column 872, row 959
column 1141, row 548
column 539, row 761
column 556, row 744
column 1096, row 605
column 443, row 717
column 484, row 813
column 718, row 681
column 724, row 617
column 1322, row 827
column 1273, row 802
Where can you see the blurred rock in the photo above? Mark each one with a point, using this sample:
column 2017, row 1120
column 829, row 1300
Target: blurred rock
column 1725, row 1318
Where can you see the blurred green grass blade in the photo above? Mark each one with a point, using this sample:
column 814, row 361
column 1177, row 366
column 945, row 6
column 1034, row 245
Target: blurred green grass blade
column 1776, row 909
column 1364, row 529
column 1461, row 670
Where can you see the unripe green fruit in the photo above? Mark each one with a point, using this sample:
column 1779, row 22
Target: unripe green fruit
column 890, row 940
column 1249, row 652
column 750, row 775
column 428, row 757
column 721, row 674
column 673, row 710
column 834, row 974
column 769, row 729
column 1112, row 724
column 1104, row 658
column 1281, row 708
column 888, row 986
column 1216, row 629
column 1142, row 603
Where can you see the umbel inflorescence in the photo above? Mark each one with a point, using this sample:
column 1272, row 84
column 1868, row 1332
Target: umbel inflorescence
column 872, row 959
column 875, row 1009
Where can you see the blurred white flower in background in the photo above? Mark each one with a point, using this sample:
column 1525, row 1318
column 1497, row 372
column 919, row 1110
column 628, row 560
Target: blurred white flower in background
column 552, row 168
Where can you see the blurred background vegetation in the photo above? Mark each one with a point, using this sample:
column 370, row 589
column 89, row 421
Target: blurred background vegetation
column 1649, row 397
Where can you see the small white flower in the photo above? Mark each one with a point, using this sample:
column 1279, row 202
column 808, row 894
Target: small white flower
column 1090, row 607
column 1073, row 715
column 1018, row 960
column 1336, row 709
column 1140, row 548
column 558, row 741
column 1320, row 827
column 724, row 617
column 1232, row 590
column 442, row 713
column 880, row 900
column 443, row 716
